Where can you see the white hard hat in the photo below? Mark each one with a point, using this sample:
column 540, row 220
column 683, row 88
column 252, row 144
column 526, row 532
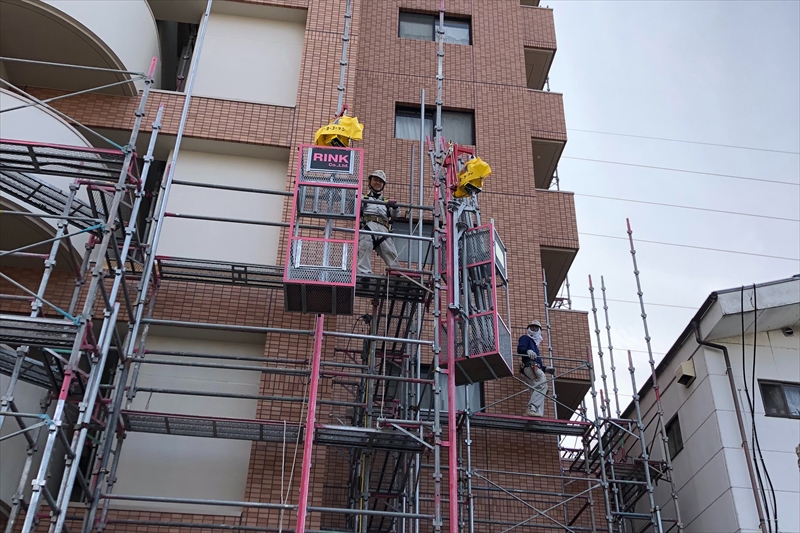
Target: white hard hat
column 535, row 323
column 380, row 174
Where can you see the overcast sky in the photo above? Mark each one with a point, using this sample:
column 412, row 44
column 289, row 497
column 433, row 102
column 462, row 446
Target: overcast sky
column 715, row 72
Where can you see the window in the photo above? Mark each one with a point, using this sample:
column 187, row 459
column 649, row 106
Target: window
column 422, row 27
column 474, row 390
column 780, row 399
column 457, row 126
column 675, row 442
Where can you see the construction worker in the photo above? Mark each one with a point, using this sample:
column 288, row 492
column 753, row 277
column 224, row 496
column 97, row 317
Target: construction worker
column 377, row 217
column 533, row 370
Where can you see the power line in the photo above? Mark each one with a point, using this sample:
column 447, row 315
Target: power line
column 693, row 208
column 693, row 247
column 637, row 303
column 686, row 142
column 685, row 171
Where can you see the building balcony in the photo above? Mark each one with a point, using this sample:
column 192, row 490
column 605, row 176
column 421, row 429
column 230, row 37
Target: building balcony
column 558, row 236
column 570, row 342
column 110, row 35
column 539, row 40
column 545, row 111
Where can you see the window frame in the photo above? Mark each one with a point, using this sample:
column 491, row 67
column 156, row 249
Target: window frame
column 409, row 111
column 433, row 19
column 785, row 412
column 674, row 444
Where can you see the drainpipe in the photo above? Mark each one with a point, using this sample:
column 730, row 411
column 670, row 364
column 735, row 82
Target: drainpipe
column 761, row 522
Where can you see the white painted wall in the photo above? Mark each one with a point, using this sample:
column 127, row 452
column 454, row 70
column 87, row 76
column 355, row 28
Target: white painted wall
column 13, row 451
column 190, row 467
column 36, row 124
column 126, row 27
column 222, row 241
column 251, row 59
column 714, row 489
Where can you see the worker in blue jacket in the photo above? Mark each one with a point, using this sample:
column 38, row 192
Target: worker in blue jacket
column 533, row 369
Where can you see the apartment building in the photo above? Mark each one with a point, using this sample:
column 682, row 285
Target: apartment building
column 184, row 402
column 730, row 391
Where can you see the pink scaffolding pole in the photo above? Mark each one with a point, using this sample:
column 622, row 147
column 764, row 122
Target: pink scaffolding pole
column 311, row 415
column 452, row 291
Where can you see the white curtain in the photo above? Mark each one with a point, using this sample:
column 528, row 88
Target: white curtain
column 406, row 126
column 792, row 399
column 416, row 26
column 458, row 127
column 456, row 31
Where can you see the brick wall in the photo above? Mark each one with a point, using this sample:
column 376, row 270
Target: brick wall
column 487, row 77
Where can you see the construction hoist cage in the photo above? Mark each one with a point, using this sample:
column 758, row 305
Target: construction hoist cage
column 320, row 274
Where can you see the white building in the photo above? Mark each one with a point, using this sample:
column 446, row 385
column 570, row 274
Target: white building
column 710, row 423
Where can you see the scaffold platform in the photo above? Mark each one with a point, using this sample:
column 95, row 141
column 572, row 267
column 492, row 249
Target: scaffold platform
column 92, row 164
column 409, row 287
column 206, row 271
column 32, row 370
column 17, row 330
column 359, row 437
column 210, row 427
column 44, row 196
column 402, row 287
column 265, row 431
column 547, row 426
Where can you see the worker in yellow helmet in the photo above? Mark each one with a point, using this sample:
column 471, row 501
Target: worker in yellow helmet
column 377, row 217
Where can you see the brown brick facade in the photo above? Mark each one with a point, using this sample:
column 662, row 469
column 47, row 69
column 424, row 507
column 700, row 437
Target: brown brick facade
column 488, row 78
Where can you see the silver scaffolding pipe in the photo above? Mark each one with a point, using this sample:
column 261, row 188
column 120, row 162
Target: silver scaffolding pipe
column 343, row 62
column 67, row 65
column 654, row 376
column 144, row 283
column 39, row 483
column 610, row 349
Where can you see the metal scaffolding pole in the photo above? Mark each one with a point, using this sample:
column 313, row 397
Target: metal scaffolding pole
column 605, row 404
column 656, row 390
column 84, row 340
column 610, row 349
column 655, row 512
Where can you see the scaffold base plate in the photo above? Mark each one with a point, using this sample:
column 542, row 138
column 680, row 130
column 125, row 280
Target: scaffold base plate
column 16, row 330
column 548, row 426
column 210, row 427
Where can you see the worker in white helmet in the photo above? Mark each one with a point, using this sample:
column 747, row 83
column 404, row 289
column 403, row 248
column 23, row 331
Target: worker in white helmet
column 377, row 217
column 533, row 369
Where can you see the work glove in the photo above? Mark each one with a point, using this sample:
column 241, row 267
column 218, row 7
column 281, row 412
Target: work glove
column 531, row 354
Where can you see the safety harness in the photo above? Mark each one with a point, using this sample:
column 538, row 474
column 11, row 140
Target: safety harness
column 386, row 222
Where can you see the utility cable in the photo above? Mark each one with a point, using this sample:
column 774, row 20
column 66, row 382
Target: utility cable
column 637, row 303
column 646, row 202
column 693, row 208
column 722, row 250
column 752, row 411
column 685, row 141
column 685, row 171
column 753, row 414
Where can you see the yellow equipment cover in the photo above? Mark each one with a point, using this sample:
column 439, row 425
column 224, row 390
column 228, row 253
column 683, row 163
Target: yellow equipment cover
column 474, row 172
column 339, row 132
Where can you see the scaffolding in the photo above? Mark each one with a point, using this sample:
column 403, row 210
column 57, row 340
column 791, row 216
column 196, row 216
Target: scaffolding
column 383, row 404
